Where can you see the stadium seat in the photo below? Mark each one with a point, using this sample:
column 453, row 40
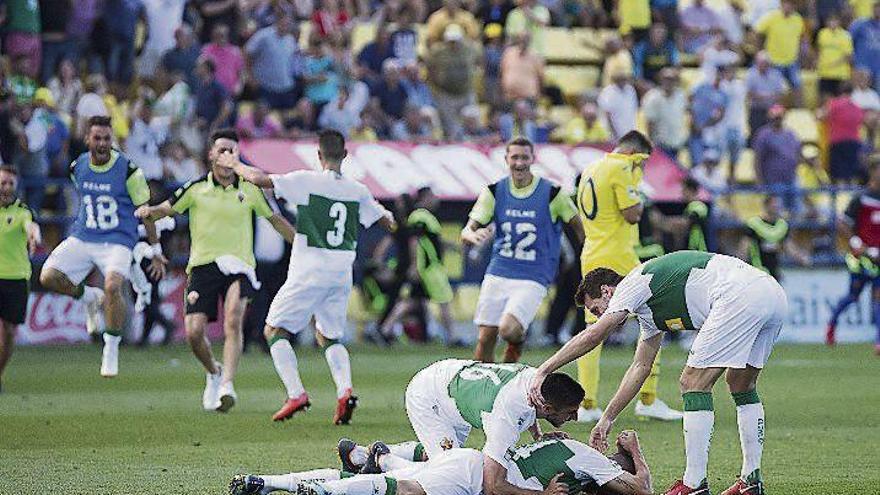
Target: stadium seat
column 803, row 123
column 810, row 89
column 572, row 80
column 573, row 46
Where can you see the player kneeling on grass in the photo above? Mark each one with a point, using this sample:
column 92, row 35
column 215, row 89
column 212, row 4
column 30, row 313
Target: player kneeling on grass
column 737, row 310
column 448, row 398
column 550, row 467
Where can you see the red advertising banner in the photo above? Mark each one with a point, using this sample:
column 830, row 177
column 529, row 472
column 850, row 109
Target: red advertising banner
column 454, row 171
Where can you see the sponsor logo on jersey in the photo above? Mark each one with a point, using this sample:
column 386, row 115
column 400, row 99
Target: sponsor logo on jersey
column 94, row 186
column 446, row 443
column 515, row 213
column 675, row 324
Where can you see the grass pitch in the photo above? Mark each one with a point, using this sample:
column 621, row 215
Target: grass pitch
column 65, row 430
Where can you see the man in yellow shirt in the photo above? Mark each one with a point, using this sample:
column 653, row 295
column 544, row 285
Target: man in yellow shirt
column 586, row 128
column 610, row 207
column 451, row 13
column 635, row 18
column 835, row 56
column 783, row 30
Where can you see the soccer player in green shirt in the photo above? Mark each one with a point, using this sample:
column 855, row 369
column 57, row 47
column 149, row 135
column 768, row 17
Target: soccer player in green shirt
column 221, row 261
column 19, row 235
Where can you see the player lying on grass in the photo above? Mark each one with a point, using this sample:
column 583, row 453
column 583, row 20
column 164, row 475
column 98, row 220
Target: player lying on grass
column 738, row 312
column 448, row 398
column 549, row 467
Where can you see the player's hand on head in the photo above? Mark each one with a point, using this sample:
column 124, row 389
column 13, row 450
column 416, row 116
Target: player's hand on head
column 628, row 440
column 599, row 435
column 535, row 396
column 556, row 487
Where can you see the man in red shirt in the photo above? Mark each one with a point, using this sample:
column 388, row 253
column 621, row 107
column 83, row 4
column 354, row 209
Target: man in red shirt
column 861, row 223
column 843, row 119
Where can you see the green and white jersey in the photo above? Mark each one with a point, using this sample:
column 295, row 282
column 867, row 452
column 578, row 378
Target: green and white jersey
column 533, row 466
column 330, row 210
column 675, row 291
column 493, row 397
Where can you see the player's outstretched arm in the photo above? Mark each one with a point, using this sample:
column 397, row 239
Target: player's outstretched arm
column 283, row 227
column 474, row 233
column 154, row 212
column 495, row 482
column 631, row 484
column 251, row 174
column 158, row 262
column 638, row 372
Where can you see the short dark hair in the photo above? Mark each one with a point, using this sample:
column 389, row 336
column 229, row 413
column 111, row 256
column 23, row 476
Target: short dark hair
column 224, row 134
column 9, row 170
column 592, row 284
column 637, row 141
column 332, row 145
column 99, row 121
column 520, row 141
column 209, row 64
column 561, row 390
column 690, row 183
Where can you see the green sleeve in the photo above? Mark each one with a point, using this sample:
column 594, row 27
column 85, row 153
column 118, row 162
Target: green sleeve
column 424, row 219
column 258, row 201
column 484, row 208
column 137, row 187
column 182, row 199
column 562, row 207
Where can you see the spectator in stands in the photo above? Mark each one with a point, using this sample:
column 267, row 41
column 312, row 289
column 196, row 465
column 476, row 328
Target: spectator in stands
column 618, row 59
column 258, row 124
column 179, row 166
column 66, row 87
column 784, row 33
column 301, row 122
column 390, row 95
column 163, row 17
column 619, row 104
column 227, row 58
column 120, row 22
column 473, row 130
column 777, row 154
column 174, row 106
column 30, row 157
column 215, row 12
column 811, row 174
column 866, row 45
column 146, row 139
column 374, row 54
column 417, row 90
column 634, row 17
column 652, row 55
column 666, row 12
column 331, row 21
column 213, row 104
column 340, row 114
column 529, row 17
column 319, row 75
column 57, row 134
column 494, row 12
column 55, row 44
column 665, row 111
column 519, row 122
column 765, row 87
column 90, row 104
column 451, row 66
column 451, row 14
column 405, row 38
column 835, row 56
column 734, row 121
column 20, row 83
column 719, row 52
column 586, row 128
column 271, row 53
column 22, row 35
column 699, row 24
column 708, row 173
column 414, row 127
column 708, row 104
column 730, row 16
column 493, row 51
column 843, row 120
column 182, row 58
column 522, row 71
column 80, row 24
column 863, row 95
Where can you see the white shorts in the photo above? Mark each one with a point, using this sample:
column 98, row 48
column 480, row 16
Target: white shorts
column 432, row 413
column 740, row 330
column 75, row 258
column 500, row 296
column 454, row 472
column 296, row 303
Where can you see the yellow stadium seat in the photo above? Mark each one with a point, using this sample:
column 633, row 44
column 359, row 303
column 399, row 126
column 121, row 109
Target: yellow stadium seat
column 810, row 88
column 561, row 114
column 690, row 77
column 362, row 34
column 803, row 123
column 572, row 80
column 572, row 46
column 745, row 169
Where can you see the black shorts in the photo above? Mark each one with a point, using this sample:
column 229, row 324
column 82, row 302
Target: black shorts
column 207, row 286
column 14, row 300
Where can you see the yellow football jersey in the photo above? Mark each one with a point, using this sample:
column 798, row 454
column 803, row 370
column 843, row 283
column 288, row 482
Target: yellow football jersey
column 605, row 189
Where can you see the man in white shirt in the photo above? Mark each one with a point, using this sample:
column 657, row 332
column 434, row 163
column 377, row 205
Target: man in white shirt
column 620, row 104
column 163, row 19
column 665, row 109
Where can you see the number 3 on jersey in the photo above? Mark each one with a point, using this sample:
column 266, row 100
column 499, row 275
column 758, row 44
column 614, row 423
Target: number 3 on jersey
column 522, row 248
column 329, row 224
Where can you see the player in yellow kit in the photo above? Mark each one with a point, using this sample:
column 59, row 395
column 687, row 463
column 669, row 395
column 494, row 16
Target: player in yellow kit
column 610, row 207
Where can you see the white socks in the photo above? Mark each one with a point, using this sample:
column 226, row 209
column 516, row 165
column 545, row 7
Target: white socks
column 91, row 294
column 362, row 484
column 699, row 419
column 288, row 482
column 340, row 367
column 750, row 419
column 286, row 366
column 390, row 462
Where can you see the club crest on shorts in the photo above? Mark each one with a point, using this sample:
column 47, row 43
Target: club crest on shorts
column 446, row 443
column 240, row 197
column 674, row 324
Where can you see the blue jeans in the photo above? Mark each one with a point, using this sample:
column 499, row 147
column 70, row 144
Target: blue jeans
column 792, row 74
column 120, row 61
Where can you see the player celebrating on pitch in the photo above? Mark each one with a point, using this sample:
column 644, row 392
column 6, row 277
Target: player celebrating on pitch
column 221, row 261
column 527, row 212
column 330, row 208
column 738, row 312
column 19, row 236
column 110, row 187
